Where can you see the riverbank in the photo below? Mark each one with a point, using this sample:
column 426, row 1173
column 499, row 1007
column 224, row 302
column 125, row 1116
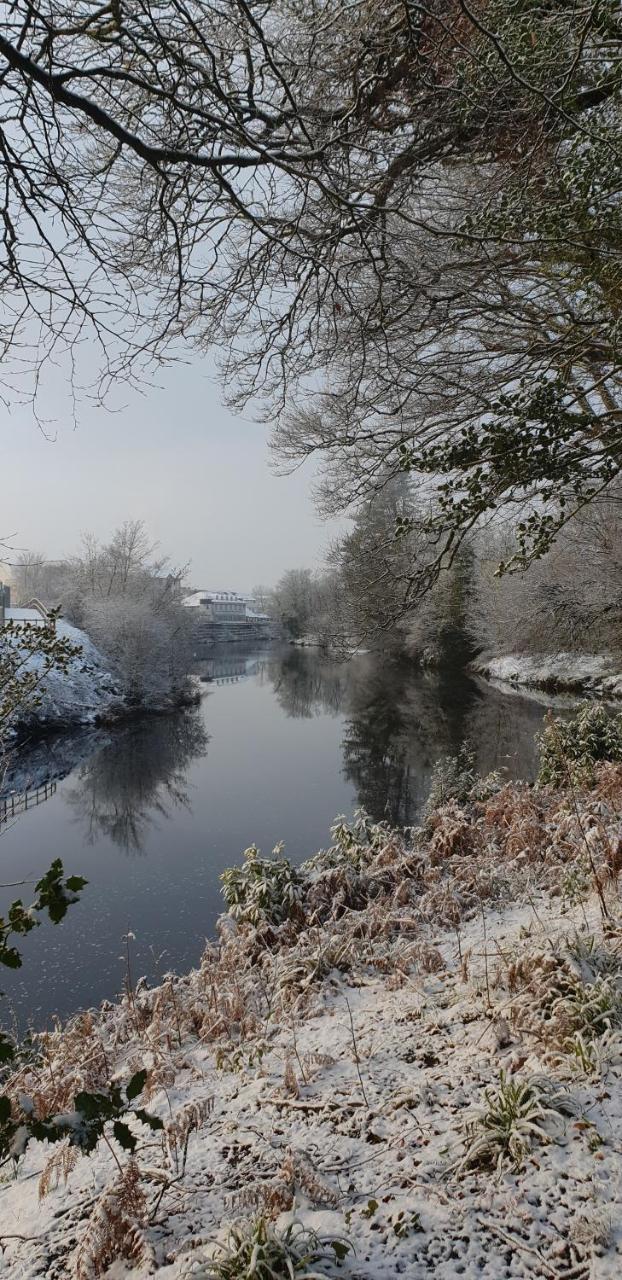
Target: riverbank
column 83, row 694
column 409, row 1046
column 598, row 675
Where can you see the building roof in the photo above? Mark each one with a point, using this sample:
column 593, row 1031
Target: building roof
column 197, row 597
column 23, row 615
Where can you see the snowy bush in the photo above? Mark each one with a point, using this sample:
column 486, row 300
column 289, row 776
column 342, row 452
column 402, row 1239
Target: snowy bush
column 516, row 1113
column 148, row 647
column 258, row 1251
column 456, row 778
column 263, row 890
column 356, row 842
column 569, row 749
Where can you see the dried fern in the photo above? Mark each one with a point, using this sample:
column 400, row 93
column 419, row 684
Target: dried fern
column 115, row 1229
column 60, row 1164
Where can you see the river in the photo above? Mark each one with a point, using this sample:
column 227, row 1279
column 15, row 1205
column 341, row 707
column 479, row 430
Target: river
column 152, row 811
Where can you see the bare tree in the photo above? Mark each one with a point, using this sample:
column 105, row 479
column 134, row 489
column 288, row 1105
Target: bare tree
column 414, row 204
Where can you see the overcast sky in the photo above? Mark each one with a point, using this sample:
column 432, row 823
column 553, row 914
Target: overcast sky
column 174, row 457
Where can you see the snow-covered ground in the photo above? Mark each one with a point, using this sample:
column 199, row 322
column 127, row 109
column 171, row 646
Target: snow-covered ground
column 341, row 1070
column 83, row 694
column 563, row 672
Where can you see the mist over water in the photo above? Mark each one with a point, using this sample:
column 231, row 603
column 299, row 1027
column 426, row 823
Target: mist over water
column 153, row 811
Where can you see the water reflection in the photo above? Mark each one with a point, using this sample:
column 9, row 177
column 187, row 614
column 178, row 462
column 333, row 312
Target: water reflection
column 399, row 721
column 136, row 779
column 297, row 739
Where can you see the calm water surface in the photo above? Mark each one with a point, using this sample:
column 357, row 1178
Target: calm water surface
column 152, row 812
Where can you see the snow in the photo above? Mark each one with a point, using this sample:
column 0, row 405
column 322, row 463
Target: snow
column 562, row 672
column 83, row 694
column 338, row 1096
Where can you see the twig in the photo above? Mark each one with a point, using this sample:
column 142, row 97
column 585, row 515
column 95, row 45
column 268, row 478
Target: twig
column 356, row 1053
column 520, row 1245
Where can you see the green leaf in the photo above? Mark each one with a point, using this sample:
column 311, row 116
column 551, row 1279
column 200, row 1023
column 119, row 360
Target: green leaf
column 340, row 1249
column 7, row 1049
column 136, row 1085
column 10, row 957
column 154, row 1122
column 5, row 1109
column 75, row 883
column 124, row 1136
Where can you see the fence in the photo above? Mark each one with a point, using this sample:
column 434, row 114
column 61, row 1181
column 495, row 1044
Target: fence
column 12, row 805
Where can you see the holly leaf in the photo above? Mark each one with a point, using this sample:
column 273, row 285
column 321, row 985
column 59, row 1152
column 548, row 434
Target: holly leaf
column 136, row 1085
column 124, row 1136
column 154, row 1122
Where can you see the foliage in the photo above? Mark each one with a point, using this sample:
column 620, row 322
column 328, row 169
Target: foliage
column 27, row 655
column 515, row 1115
column 263, row 890
column 453, row 778
column 54, row 896
column 258, row 1251
column 570, row 749
column 83, row 1126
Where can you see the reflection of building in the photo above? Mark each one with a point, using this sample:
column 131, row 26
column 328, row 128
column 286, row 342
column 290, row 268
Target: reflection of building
column 226, row 669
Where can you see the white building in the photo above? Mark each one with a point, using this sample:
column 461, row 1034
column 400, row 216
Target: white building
column 224, row 606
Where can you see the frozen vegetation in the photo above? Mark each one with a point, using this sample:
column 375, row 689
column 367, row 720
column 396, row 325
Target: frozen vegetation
column 403, row 1058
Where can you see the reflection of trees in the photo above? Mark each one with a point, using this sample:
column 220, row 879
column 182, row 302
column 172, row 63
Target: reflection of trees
column 399, row 721
column 307, row 682
column 137, row 777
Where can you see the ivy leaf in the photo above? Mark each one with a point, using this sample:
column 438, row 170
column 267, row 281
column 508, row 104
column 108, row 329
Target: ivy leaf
column 124, row 1136
column 136, row 1085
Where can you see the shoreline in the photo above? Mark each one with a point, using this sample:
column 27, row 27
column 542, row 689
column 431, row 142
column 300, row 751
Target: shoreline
column 598, row 675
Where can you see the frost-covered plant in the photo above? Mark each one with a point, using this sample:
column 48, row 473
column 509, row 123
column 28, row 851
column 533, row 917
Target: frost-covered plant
column 569, row 749
column 355, row 842
column 502, row 1132
column 83, row 1126
column 263, row 890
column 595, row 1056
column 258, row 1251
column 590, row 1008
column 593, row 960
column 453, row 778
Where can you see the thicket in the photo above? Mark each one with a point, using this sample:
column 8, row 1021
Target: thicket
column 568, row 600
column 128, row 600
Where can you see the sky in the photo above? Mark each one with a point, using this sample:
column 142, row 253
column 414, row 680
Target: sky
column 174, row 456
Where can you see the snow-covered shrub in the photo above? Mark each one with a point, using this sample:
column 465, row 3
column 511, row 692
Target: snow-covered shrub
column 258, row 1251
column 263, row 890
column 456, row 778
column 594, row 1057
column 147, row 642
column 590, row 1008
column 355, row 842
column 453, row 778
column 516, row 1113
column 569, row 749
